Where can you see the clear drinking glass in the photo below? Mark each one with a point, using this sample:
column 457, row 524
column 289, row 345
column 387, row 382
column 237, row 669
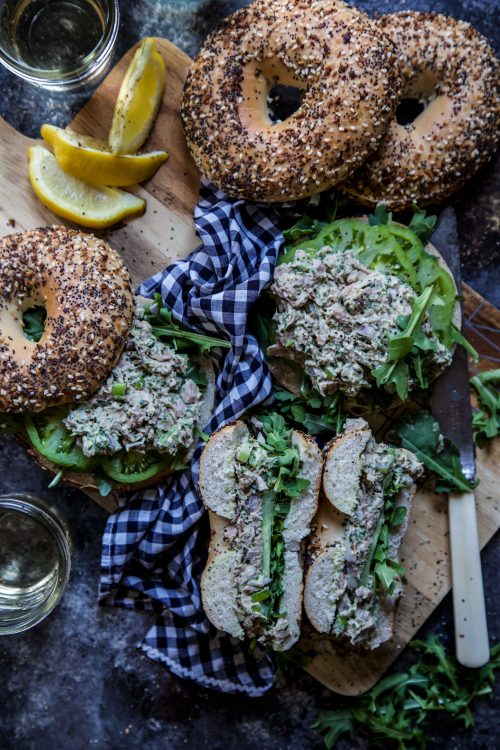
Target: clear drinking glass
column 58, row 44
column 34, row 561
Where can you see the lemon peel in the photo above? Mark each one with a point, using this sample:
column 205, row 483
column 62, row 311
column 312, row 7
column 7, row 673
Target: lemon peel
column 93, row 206
column 139, row 99
column 93, row 161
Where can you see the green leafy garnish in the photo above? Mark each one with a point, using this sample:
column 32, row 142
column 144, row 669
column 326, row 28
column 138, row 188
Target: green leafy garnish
column 290, row 663
column 34, row 322
column 421, row 224
column 379, row 216
column 486, row 419
column 379, row 566
column 393, row 714
column 285, row 485
column 317, row 414
column 423, row 438
column 412, row 340
column 104, row 484
column 181, row 338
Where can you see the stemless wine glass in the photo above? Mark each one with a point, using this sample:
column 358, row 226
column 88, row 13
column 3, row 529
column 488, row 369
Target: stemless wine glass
column 58, row 44
column 34, row 561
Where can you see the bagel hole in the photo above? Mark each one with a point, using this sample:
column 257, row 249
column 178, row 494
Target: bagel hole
column 408, row 110
column 34, row 322
column 283, row 101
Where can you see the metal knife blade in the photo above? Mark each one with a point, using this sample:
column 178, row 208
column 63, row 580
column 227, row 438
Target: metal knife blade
column 450, row 392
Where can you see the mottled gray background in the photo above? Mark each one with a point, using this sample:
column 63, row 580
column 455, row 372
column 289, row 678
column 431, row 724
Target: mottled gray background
column 76, row 681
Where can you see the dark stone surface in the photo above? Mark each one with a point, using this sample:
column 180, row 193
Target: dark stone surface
column 76, row 681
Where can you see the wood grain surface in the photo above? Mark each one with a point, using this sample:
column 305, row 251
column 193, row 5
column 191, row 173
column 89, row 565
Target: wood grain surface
column 165, row 233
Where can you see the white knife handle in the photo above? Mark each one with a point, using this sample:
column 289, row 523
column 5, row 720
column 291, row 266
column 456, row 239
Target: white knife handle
column 471, row 629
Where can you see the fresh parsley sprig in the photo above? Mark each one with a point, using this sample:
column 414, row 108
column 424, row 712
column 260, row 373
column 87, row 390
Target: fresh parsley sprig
column 393, row 714
column 486, row 419
column 440, row 455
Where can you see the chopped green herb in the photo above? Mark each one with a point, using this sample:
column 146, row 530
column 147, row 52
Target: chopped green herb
column 118, row 390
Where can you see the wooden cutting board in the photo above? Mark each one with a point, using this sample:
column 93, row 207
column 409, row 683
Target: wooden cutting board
column 165, row 233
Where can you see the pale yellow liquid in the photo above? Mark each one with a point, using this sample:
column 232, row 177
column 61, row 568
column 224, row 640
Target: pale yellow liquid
column 31, row 567
column 52, row 35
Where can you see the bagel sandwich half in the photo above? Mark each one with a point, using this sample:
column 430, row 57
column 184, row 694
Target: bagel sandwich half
column 354, row 578
column 260, row 484
column 144, row 420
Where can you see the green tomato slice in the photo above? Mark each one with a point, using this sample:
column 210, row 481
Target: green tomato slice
column 51, row 439
column 129, row 467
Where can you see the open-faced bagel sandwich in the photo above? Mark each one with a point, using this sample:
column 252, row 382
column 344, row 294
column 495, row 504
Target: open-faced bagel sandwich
column 358, row 305
column 106, row 389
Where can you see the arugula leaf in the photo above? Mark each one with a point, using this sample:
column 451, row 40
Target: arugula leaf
column 285, row 484
column 423, row 438
column 34, row 322
column 458, row 338
column 421, row 224
column 397, row 372
column 379, row 216
column 393, row 714
column 315, row 413
column 384, row 570
column 164, row 326
column 104, row 484
column 290, row 663
column 486, row 420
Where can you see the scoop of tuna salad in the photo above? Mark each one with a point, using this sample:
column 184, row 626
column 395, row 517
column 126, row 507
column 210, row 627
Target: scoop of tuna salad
column 147, row 402
column 334, row 318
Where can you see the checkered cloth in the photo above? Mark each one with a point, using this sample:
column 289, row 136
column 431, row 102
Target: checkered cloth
column 155, row 545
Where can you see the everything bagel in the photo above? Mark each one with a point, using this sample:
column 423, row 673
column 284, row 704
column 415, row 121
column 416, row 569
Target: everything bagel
column 334, row 54
column 86, row 291
column 449, row 67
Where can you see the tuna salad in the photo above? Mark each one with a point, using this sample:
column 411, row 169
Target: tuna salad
column 147, row 402
column 364, row 593
column 334, row 317
column 256, row 531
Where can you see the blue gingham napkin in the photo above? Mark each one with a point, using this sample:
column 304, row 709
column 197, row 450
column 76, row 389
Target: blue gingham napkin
column 154, row 546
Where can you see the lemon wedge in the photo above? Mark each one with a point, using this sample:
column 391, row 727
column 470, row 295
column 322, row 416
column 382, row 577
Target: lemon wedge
column 139, row 99
column 92, row 160
column 93, row 206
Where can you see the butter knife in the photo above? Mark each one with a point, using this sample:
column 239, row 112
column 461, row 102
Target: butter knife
column 450, row 405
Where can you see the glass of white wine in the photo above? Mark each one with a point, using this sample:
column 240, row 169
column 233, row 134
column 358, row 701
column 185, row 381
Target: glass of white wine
column 58, row 44
column 35, row 558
